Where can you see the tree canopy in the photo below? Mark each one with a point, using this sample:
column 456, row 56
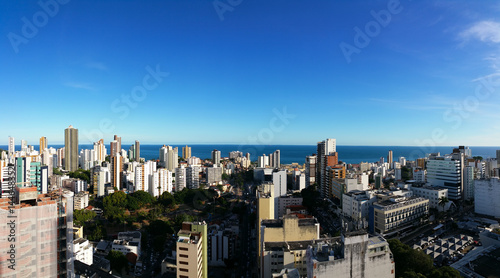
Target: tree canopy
column 117, row 260
column 80, row 216
column 415, row 264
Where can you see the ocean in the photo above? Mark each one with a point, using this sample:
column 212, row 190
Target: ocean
column 297, row 153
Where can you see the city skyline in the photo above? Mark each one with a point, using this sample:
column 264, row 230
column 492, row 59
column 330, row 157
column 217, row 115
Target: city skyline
column 391, row 73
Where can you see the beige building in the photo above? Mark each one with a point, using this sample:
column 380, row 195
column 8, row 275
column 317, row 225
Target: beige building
column 396, row 214
column 290, row 228
column 192, row 260
column 277, row 256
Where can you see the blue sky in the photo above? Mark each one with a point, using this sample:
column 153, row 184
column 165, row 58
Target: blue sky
column 427, row 75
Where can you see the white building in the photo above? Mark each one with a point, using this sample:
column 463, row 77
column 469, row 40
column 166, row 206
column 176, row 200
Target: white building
column 83, row 251
column 433, row 194
column 81, row 200
column 419, row 175
column 193, row 176
column 446, row 171
column 487, row 196
column 356, row 204
column 263, row 161
column 214, row 174
column 128, row 242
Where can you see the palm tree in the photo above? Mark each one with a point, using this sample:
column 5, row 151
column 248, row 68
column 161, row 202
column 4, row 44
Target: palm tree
column 443, row 201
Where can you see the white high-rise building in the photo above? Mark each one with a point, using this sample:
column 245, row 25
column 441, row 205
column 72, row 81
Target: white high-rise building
column 12, row 146
column 446, row 171
column 279, row 181
column 180, row 178
column 99, row 151
column 263, row 161
column 193, row 176
column 216, row 157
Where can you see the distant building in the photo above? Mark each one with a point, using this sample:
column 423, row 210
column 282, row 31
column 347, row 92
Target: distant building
column 180, row 178
column 310, row 170
column 447, row 171
column 71, row 149
column 355, row 255
column 81, row 200
column 186, row 152
column 284, row 202
column 214, row 174
column 216, row 157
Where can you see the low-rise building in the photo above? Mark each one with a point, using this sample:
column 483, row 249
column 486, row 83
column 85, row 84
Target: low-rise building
column 81, row 200
column 128, row 242
column 433, row 194
column 83, row 251
column 390, row 216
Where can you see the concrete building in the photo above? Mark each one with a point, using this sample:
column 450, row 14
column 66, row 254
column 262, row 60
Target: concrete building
column 310, row 170
column 100, row 176
column 81, row 200
column 487, row 196
column 71, row 149
column 100, row 152
column 83, row 251
column 433, row 194
column 41, row 234
column 325, row 148
column 192, row 260
column 277, row 256
column 355, row 255
column 214, row 174
column 396, row 214
column 12, row 146
column 216, row 157
column 285, row 201
column 180, row 178
column 356, row 206
column 128, row 242
column 469, row 183
column 290, row 228
column 116, row 168
column 221, row 244
column 193, row 176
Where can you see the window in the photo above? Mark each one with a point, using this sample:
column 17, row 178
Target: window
column 183, row 269
column 181, row 262
column 183, row 256
column 183, row 248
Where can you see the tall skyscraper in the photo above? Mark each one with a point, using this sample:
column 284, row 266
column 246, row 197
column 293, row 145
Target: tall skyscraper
column 275, row 161
column 115, row 147
column 137, row 153
column 389, row 159
column 12, row 146
column 327, row 156
column 43, row 144
column 186, row 152
column 216, row 157
column 310, row 170
column 71, row 149
column 100, row 151
column 24, row 146
column 119, row 140
column 116, row 170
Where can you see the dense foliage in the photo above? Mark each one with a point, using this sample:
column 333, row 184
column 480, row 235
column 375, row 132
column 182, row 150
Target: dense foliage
column 83, row 215
column 412, row 263
column 117, row 260
column 80, row 174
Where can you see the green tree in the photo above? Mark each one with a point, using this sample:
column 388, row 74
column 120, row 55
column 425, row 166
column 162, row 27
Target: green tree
column 80, row 216
column 167, row 200
column 117, row 260
column 442, row 202
column 96, row 232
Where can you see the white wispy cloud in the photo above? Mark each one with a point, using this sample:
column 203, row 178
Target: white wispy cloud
column 96, row 65
column 77, row 85
column 485, row 31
